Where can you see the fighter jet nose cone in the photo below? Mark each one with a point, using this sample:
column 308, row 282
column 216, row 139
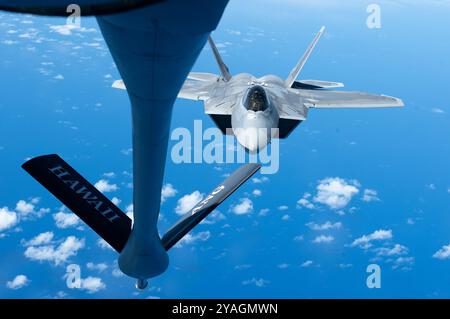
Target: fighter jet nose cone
column 252, row 149
column 253, row 139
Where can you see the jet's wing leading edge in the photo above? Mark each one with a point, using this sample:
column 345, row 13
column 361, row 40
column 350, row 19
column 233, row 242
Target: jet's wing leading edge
column 191, row 90
column 337, row 99
column 226, row 76
column 196, row 90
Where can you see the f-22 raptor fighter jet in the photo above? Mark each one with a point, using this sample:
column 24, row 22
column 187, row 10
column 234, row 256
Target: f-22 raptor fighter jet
column 253, row 108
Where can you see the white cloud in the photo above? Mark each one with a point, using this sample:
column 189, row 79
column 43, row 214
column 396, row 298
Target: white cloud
column 364, row 241
column 24, row 208
column 98, row 267
column 168, row 191
column 245, row 206
column 92, row 284
column 109, row 174
column 116, row 201
column 18, row 282
column 104, row 245
column 59, row 77
column 443, row 253
column 397, row 250
column 437, row 110
column 187, row 202
column 305, row 202
column 261, row 180
column 322, row 239
column 127, row 151
column 336, row 192
column 257, row 282
column 299, row 238
column 307, row 264
column 7, row 218
column 283, row 207
column 65, row 29
column 9, row 42
column 28, row 210
column 129, row 212
column 68, row 248
column 370, row 195
column 69, row 29
column 257, row 192
column 116, row 272
column 285, row 217
column 105, row 187
column 213, row 218
column 41, row 239
column 242, row 267
column 65, row 220
column 404, row 263
column 283, row 266
column 233, row 32
column 325, row 226
column 190, row 239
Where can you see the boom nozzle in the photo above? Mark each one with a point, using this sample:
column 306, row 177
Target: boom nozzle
column 141, row 284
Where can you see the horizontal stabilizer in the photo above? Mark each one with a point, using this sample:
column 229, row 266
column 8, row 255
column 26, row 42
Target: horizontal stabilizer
column 315, row 84
column 82, row 198
column 206, row 206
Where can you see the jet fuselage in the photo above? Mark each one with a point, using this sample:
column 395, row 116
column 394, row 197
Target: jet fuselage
column 255, row 111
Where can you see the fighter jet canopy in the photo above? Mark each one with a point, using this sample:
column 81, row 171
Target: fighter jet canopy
column 256, row 99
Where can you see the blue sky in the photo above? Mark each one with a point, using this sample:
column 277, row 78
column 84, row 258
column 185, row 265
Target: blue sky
column 355, row 187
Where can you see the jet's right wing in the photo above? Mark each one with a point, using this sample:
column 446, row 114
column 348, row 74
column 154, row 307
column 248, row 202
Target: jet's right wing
column 342, row 99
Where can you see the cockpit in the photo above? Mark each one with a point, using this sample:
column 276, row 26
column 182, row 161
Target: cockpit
column 256, row 99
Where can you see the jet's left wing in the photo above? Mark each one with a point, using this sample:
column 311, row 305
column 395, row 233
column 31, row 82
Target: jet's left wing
column 196, row 89
column 342, row 99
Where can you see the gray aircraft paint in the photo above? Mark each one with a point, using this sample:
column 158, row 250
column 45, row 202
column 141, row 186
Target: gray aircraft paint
column 288, row 99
